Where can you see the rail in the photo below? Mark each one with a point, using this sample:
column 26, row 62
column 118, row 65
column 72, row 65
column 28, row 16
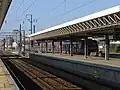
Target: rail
column 42, row 78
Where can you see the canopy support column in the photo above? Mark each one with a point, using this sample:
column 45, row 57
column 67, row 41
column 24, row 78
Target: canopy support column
column 71, row 47
column 38, row 44
column 41, row 46
column 86, row 47
column 107, row 47
column 60, row 46
column 46, row 44
column 53, row 46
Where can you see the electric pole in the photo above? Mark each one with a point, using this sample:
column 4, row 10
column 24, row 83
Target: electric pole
column 24, row 39
column 20, row 40
column 33, row 28
column 4, row 43
column 31, row 21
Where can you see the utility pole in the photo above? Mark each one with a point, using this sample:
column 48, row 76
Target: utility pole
column 16, row 37
column 4, row 43
column 20, row 40
column 24, row 39
column 33, row 28
column 29, row 44
column 31, row 21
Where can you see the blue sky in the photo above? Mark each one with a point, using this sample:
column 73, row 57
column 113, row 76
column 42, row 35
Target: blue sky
column 51, row 12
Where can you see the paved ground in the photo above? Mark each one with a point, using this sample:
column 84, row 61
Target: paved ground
column 6, row 81
column 115, row 62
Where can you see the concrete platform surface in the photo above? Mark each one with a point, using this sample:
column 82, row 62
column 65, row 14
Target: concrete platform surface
column 6, row 81
column 114, row 62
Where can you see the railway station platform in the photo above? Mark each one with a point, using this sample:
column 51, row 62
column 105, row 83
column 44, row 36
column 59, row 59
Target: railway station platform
column 6, row 80
column 95, row 69
column 114, row 62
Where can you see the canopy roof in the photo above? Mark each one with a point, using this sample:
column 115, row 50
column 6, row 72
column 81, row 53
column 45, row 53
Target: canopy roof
column 4, row 6
column 97, row 21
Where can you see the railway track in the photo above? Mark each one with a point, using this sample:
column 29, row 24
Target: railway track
column 42, row 78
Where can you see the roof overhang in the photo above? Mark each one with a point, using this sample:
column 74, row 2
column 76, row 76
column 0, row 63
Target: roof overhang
column 103, row 22
column 4, row 6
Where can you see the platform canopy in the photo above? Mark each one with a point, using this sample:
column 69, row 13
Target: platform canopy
column 4, row 6
column 100, row 23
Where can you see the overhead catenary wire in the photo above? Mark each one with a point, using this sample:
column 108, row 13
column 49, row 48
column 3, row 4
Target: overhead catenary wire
column 58, row 5
column 33, row 4
column 19, row 6
column 65, row 5
column 78, row 7
column 29, row 7
column 74, row 9
column 25, row 9
column 64, row 1
column 55, row 7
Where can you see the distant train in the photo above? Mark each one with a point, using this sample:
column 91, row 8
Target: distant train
column 78, row 47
